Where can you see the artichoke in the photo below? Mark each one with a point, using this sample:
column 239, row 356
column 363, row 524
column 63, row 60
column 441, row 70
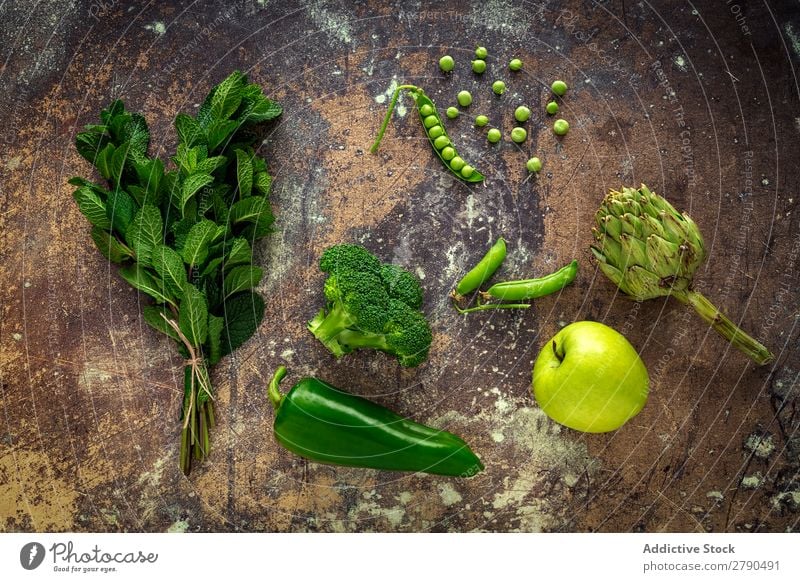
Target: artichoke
column 649, row 249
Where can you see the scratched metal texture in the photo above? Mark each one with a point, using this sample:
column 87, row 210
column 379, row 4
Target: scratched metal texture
column 698, row 101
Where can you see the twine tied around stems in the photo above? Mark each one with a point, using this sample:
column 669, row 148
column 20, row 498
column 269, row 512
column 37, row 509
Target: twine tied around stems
column 196, row 362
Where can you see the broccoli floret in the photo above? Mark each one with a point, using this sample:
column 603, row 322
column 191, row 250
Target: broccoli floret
column 349, row 258
column 370, row 305
column 402, row 285
column 405, row 335
column 356, row 300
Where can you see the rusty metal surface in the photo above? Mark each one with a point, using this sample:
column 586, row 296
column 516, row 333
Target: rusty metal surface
column 699, row 102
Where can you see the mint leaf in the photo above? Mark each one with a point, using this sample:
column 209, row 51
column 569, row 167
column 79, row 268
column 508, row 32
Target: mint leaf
column 143, row 280
column 209, row 165
column 152, row 316
column 212, row 267
column 243, row 314
column 89, row 145
column 117, row 165
column 219, row 131
column 262, row 182
column 189, row 130
column 227, row 96
column 92, row 207
column 150, row 174
column 248, row 210
column 137, row 134
column 117, row 107
column 238, row 252
column 244, row 173
column 145, row 232
column 104, row 162
column 241, row 278
column 262, row 109
column 112, row 249
column 193, row 316
column 120, row 209
column 201, row 235
column 180, row 231
column 214, row 342
column 169, row 266
column 254, row 211
column 192, row 185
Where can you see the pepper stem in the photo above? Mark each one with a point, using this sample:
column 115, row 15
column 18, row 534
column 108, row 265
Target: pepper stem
column 388, row 116
column 273, row 391
column 726, row 328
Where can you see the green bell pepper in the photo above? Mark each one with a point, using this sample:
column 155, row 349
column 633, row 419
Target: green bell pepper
column 324, row 424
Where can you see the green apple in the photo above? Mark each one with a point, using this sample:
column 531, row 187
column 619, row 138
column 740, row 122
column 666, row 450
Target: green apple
column 590, row 378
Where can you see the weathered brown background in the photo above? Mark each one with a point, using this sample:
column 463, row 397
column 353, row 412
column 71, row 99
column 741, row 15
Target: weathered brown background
column 90, row 395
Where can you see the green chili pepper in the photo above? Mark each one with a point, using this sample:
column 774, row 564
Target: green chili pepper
column 485, row 268
column 533, row 288
column 324, row 424
column 434, row 129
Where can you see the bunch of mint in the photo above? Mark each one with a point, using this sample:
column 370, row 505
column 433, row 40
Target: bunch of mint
column 184, row 236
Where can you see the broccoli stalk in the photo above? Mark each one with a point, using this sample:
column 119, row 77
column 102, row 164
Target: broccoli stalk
column 370, row 305
column 327, row 325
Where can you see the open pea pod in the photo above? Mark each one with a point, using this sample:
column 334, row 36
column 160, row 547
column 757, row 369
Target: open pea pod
column 436, row 132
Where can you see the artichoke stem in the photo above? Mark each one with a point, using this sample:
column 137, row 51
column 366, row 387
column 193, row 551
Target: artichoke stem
column 726, row 328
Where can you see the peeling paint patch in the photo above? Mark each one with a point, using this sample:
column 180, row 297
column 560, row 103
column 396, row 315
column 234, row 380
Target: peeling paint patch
column 761, row 445
column 180, row 526
column 794, row 39
column 680, row 62
column 753, row 481
column 331, row 22
column 400, row 109
column 449, row 495
column 549, row 464
column 790, row 499
column 157, row 27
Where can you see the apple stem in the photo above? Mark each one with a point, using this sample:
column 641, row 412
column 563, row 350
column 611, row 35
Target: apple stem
column 558, row 355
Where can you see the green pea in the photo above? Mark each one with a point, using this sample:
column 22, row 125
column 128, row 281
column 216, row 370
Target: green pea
column 452, row 112
column 481, row 53
column 485, row 268
column 426, row 110
column 519, row 135
column 430, row 121
column 448, row 153
column 467, row 171
column 494, row 135
column 499, row 87
column 478, row 66
column 534, row 288
column 522, row 113
column 436, row 131
column 464, row 98
column 441, row 142
column 457, row 163
column 515, row 64
column 552, row 108
column 534, row 165
column 481, row 121
column 560, row 127
column 559, row 88
column 446, row 63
